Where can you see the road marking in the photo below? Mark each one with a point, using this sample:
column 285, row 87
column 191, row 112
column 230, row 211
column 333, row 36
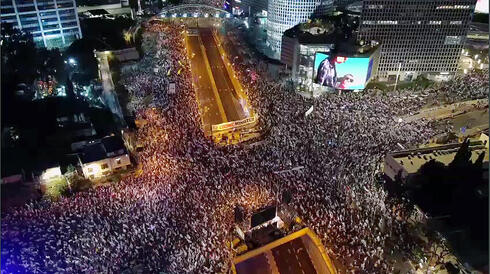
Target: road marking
column 213, row 83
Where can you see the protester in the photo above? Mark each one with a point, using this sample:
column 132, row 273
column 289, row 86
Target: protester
column 178, row 215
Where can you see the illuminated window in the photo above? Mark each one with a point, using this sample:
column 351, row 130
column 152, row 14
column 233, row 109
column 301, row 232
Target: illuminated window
column 369, row 22
column 435, row 22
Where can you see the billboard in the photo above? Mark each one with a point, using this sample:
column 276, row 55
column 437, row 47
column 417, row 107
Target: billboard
column 341, row 72
column 481, row 6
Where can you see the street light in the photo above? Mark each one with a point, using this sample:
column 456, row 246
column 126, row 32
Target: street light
column 72, row 61
column 398, row 74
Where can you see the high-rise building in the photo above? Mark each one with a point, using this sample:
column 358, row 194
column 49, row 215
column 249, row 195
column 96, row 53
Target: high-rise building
column 251, row 7
column 343, row 3
column 284, row 14
column 53, row 23
column 416, row 36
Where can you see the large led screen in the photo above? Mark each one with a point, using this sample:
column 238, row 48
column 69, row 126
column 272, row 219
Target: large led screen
column 481, row 6
column 341, row 72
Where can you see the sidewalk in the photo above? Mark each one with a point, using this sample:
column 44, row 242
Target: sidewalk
column 446, row 111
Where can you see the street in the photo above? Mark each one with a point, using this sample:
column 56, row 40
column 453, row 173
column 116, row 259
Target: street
column 228, row 94
column 209, row 104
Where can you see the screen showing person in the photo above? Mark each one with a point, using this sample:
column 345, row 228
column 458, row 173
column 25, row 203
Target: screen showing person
column 345, row 82
column 351, row 72
column 326, row 74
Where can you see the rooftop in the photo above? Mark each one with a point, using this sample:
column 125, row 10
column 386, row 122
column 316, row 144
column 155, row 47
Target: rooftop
column 413, row 159
column 299, row 252
column 93, row 152
column 339, row 30
column 112, row 143
column 106, row 147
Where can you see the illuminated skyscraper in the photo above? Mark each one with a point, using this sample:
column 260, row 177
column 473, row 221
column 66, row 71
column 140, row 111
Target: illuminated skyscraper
column 251, row 7
column 417, row 36
column 53, row 23
column 284, row 14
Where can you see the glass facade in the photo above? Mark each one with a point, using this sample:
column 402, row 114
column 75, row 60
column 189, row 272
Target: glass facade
column 53, row 23
column 420, row 36
column 284, row 14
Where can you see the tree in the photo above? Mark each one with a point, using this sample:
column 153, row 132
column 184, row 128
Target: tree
column 82, row 51
column 50, row 63
column 78, row 183
column 18, row 59
column 160, row 4
column 69, row 88
column 463, row 156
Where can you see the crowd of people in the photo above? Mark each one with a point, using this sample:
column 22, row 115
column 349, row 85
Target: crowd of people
column 155, row 71
column 177, row 216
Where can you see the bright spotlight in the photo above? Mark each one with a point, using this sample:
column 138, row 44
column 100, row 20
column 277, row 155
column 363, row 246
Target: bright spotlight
column 72, row 61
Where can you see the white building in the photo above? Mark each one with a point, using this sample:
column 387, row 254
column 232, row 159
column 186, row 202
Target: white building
column 103, row 157
column 284, row 14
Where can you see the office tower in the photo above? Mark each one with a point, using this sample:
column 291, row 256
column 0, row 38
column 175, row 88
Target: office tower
column 343, row 3
column 417, row 36
column 53, row 23
column 254, row 6
column 284, row 14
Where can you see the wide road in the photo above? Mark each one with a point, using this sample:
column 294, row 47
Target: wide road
column 227, row 93
column 204, row 91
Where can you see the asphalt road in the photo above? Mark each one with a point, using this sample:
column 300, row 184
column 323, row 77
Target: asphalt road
column 205, row 95
column 227, row 93
column 108, row 93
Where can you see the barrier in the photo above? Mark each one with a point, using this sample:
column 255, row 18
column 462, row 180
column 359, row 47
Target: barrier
column 234, row 124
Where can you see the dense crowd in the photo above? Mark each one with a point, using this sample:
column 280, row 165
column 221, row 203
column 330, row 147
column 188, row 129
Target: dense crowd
column 178, row 215
column 154, row 72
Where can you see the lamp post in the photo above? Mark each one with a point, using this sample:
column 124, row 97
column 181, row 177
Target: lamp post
column 398, row 74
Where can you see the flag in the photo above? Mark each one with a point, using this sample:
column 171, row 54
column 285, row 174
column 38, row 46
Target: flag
column 309, row 111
